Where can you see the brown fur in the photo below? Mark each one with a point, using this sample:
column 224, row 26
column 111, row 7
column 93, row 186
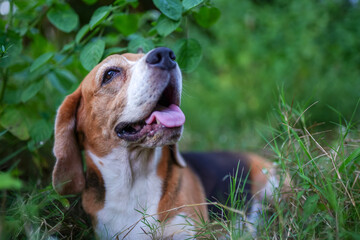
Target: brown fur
column 181, row 187
column 97, row 105
column 68, row 176
column 258, row 178
column 93, row 196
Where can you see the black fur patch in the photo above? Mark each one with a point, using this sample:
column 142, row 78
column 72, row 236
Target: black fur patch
column 95, row 183
column 214, row 169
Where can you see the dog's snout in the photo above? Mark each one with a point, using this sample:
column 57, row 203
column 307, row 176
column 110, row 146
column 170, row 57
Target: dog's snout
column 163, row 58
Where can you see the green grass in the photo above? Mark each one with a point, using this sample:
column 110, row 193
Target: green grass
column 323, row 202
column 324, row 199
column 35, row 213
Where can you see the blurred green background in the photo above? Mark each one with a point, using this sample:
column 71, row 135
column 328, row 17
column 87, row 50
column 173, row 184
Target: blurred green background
column 309, row 49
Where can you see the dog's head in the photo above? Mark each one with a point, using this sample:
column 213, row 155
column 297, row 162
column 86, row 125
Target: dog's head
column 126, row 101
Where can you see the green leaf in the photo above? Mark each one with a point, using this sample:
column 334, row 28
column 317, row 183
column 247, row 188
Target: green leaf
column 188, row 54
column 82, row 32
column 68, row 46
column 40, row 132
column 9, row 182
column 89, row 2
column 13, row 120
column 3, row 133
column 310, row 206
column 31, row 91
column 133, row 3
column 114, row 50
column 189, row 4
column 12, row 44
column 91, row 54
column 40, row 61
column 13, row 96
column 126, row 23
column 207, row 16
column 140, row 43
column 353, row 235
column 66, row 74
column 55, row 81
column 99, row 15
column 63, row 17
column 13, row 154
column 165, row 25
column 171, row 8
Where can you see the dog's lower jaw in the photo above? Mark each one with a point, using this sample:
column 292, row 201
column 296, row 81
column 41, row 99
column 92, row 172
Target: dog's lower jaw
column 163, row 137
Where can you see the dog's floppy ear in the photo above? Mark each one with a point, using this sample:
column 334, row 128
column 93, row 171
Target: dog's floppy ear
column 175, row 154
column 68, row 175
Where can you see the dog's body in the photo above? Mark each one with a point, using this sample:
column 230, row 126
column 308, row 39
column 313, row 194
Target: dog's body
column 125, row 115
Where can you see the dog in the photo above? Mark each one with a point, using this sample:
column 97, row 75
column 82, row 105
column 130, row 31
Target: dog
column 125, row 116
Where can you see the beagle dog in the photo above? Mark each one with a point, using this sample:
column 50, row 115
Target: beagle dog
column 125, row 116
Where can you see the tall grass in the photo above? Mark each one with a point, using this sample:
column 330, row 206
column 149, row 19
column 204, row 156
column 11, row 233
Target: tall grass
column 324, row 199
column 36, row 214
column 324, row 165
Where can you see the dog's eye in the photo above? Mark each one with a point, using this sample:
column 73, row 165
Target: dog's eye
column 109, row 75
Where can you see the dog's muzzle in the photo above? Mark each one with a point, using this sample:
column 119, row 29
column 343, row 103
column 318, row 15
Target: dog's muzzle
column 166, row 113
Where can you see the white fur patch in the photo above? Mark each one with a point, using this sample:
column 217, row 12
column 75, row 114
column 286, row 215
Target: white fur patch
column 133, row 188
column 179, row 228
column 271, row 186
column 131, row 185
column 267, row 192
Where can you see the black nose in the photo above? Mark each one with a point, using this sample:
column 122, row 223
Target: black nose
column 162, row 57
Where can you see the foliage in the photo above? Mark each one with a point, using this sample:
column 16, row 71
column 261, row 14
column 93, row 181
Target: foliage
column 307, row 48
column 323, row 201
column 47, row 49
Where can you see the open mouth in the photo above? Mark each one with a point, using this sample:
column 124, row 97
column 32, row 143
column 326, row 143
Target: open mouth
column 166, row 114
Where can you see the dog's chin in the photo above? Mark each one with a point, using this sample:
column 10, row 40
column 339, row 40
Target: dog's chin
column 153, row 136
column 163, row 136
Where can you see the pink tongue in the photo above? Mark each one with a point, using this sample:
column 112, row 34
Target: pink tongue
column 169, row 117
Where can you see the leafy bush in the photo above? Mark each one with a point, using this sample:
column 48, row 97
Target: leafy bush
column 46, row 49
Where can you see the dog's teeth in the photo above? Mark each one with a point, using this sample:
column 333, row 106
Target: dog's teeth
column 157, row 121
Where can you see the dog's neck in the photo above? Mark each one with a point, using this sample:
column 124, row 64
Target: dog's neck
column 127, row 165
column 129, row 177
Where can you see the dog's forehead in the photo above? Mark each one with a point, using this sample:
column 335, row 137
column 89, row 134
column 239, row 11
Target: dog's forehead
column 121, row 60
column 133, row 57
column 125, row 60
